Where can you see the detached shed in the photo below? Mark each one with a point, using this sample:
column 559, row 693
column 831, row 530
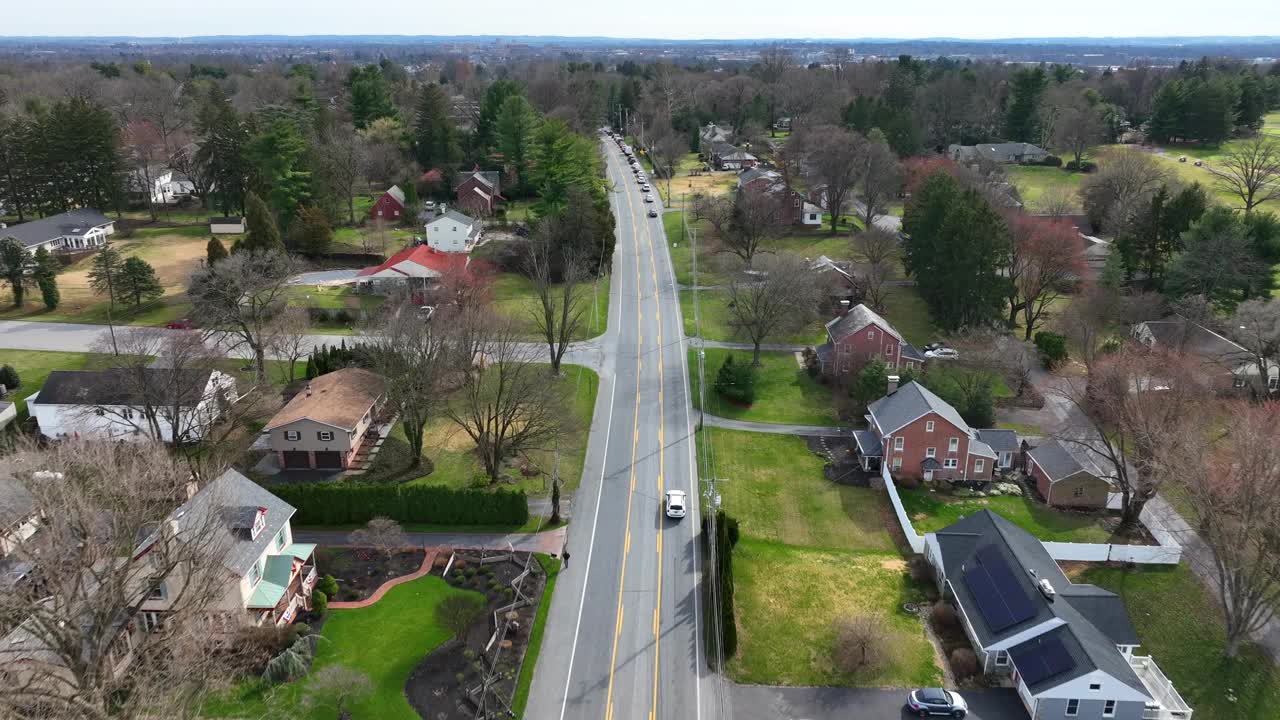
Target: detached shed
column 226, row 225
column 1067, row 477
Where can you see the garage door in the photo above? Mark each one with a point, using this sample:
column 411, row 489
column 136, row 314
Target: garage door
column 329, row 460
column 296, row 459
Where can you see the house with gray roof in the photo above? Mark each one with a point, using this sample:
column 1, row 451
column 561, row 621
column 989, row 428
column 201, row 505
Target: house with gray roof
column 1069, row 649
column 80, row 229
column 861, row 335
column 911, row 432
column 1003, row 153
column 1004, row 443
column 452, row 231
column 1227, row 364
column 1067, row 475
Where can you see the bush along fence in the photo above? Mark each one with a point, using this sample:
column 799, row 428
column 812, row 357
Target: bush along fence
column 356, row 504
column 1167, row 552
column 726, row 538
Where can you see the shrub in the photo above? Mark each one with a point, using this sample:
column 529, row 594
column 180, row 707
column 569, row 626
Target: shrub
column 724, row 574
column 1052, row 347
column 920, row 569
column 964, row 663
column 319, row 602
column 470, row 573
column 291, row 664
column 736, row 381
column 811, row 364
column 1083, row 166
column 860, row 645
column 357, row 503
column 457, row 612
column 944, row 616
column 907, row 482
column 327, row 585
column 9, row 378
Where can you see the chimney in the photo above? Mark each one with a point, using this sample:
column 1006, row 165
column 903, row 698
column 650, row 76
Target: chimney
column 308, row 389
column 893, row 384
column 1046, row 589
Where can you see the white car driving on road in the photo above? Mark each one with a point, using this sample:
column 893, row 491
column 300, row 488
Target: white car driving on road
column 675, row 503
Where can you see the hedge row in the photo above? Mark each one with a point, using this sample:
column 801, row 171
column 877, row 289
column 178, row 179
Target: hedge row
column 356, row 504
column 726, row 538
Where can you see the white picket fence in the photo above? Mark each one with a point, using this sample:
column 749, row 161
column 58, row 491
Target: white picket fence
column 1167, row 552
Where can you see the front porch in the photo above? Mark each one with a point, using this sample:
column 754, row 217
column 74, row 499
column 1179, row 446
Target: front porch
column 1168, row 704
column 869, row 450
column 286, row 586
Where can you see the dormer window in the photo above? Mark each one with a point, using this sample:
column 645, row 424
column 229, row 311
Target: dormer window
column 259, row 523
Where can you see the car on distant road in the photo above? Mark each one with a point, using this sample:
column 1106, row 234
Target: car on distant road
column 936, row 701
column 648, row 197
column 942, row 353
column 645, row 187
column 183, row 324
column 653, row 212
column 675, row 503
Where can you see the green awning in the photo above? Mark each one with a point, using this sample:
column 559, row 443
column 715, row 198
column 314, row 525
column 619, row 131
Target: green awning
column 274, row 582
column 302, row 551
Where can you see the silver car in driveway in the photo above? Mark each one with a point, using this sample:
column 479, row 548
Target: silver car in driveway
column 936, row 701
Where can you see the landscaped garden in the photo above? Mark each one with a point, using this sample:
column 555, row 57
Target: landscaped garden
column 784, row 391
column 829, row 544
column 1180, row 624
column 931, row 511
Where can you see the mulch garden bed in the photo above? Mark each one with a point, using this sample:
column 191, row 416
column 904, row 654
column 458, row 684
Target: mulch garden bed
column 360, row 572
column 445, row 685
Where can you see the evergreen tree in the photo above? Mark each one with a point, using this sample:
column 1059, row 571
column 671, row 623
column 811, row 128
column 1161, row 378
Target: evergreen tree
column 517, row 123
column 13, row 266
column 214, row 251
column 1220, row 262
column 277, row 155
column 871, row 384
column 310, row 234
column 435, row 139
column 139, row 282
column 223, row 138
column 261, row 232
column 46, row 276
column 104, row 273
column 9, row 377
column 1168, row 113
column 1155, row 235
column 370, row 96
column 957, row 246
column 1022, row 117
column 486, row 132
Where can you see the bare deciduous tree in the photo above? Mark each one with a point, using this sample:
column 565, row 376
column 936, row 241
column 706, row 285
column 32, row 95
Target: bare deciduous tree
column 1077, row 128
column 756, row 219
column 879, row 179
column 717, row 210
column 666, row 152
column 1045, row 262
column 1233, row 505
column 879, row 250
column 288, row 341
column 560, row 283
column 102, row 547
column 832, row 154
column 239, row 299
column 1250, row 171
column 1256, row 326
column 335, row 687
column 1057, row 202
column 781, row 295
column 989, row 351
column 381, row 534
column 1090, row 319
column 507, row 405
column 1122, row 188
column 861, row 644
column 458, row 612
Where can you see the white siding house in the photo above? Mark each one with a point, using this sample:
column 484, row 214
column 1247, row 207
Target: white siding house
column 69, row 231
column 452, row 232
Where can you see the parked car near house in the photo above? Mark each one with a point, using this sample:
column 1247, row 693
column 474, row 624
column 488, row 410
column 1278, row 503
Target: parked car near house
column 942, row 353
column 936, row 701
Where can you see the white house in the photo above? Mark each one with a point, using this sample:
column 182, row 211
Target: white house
column 269, row 577
column 163, row 185
column 1069, row 649
column 114, row 404
column 74, row 230
column 452, row 232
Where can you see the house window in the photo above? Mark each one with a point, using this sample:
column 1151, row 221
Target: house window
column 1273, row 383
column 897, row 463
column 325, row 435
column 1073, row 707
column 953, row 445
column 280, row 539
column 930, row 452
column 1077, row 492
column 255, row 574
column 979, row 465
column 1095, row 686
column 1109, row 709
column 928, row 426
column 292, row 435
column 899, row 442
column 950, row 463
column 152, row 621
column 1002, row 658
column 159, row 592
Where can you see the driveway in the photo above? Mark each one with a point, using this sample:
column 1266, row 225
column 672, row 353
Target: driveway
column 763, row 702
column 324, row 277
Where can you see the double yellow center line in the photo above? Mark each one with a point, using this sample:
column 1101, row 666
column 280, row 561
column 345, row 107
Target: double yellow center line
column 635, row 441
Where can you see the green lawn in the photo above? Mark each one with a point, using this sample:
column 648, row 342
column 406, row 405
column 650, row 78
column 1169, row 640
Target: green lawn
column 787, row 599
column 1034, row 181
column 682, row 250
column 811, row 551
column 716, row 321
column 366, row 239
column 1180, row 625
column 385, row 641
column 514, row 296
column 930, row 512
column 785, row 393
column 907, row 312
column 813, row 243
column 452, row 452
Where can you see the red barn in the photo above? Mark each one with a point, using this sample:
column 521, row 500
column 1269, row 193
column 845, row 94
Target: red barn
column 390, row 206
column 478, row 192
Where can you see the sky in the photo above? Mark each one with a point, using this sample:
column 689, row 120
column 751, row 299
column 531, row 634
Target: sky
column 676, row 19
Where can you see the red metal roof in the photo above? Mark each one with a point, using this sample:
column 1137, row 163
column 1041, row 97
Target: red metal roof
column 420, row 255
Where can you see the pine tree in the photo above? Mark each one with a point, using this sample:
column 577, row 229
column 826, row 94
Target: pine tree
column 223, row 137
column 104, row 273
column 1022, row 119
column 370, row 95
column 46, row 277
column 13, row 266
column 435, row 138
column 261, row 232
column 310, row 234
column 214, row 251
column 139, row 282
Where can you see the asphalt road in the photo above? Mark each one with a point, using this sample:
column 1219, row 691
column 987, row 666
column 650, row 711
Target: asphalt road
column 623, row 634
column 759, row 702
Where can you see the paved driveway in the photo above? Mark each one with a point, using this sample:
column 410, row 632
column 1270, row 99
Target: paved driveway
column 325, row 277
column 761, row 702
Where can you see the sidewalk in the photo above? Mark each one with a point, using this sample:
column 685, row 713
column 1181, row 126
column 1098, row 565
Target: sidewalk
column 777, row 429
column 427, row 561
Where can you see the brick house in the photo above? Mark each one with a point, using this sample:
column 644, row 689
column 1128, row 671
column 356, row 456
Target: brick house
column 794, row 208
column 860, row 336
column 390, row 206
column 477, row 193
column 918, row 435
column 1066, row 476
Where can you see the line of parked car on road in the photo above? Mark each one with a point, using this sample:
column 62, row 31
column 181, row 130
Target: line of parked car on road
column 636, row 170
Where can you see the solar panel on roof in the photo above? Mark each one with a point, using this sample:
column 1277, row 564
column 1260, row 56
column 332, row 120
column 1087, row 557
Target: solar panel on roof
column 1056, row 657
column 1041, row 659
column 1006, row 583
column 990, row 604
